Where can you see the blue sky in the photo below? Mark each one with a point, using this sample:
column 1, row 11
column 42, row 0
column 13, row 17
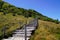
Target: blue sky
column 50, row 8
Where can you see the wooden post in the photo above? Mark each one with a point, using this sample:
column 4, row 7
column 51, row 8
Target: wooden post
column 25, row 32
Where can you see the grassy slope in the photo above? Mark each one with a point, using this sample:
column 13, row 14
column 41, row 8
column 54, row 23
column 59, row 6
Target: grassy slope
column 11, row 22
column 47, row 31
column 8, row 8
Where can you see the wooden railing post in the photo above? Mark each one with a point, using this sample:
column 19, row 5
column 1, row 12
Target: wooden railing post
column 25, row 32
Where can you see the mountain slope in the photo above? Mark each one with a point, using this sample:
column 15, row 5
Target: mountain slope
column 13, row 17
column 9, row 23
column 46, row 31
column 7, row 8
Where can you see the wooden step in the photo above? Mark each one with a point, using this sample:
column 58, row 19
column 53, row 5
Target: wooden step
column 17, row 38
column 22, row 32
column 21, row 35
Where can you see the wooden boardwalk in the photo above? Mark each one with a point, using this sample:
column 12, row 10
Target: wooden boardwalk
column 25, row 32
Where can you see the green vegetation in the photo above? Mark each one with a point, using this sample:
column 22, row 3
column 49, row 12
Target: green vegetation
column 7, row 8
column 11, row 23
column 12, row 18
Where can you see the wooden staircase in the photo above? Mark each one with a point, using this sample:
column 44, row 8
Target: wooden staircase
column 25, row 32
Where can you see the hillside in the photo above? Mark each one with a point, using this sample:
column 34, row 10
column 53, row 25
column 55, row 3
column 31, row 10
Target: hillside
column 12, row 17
column 7, row 8
column 11, row 23
column 46, row 31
